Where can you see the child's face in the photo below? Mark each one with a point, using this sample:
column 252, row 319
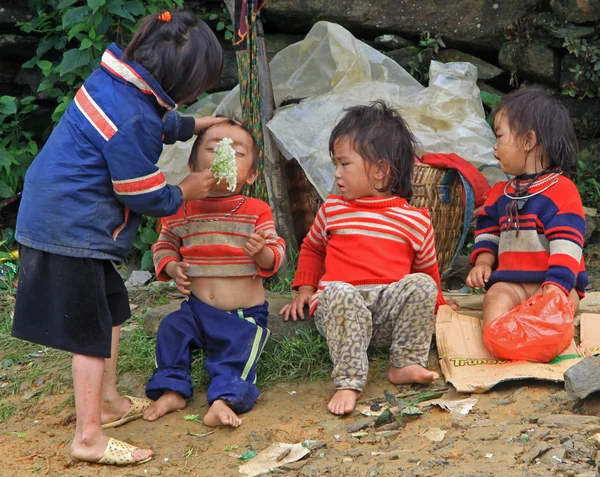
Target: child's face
column 244, row 148
column 354, row 176
column 510, row 150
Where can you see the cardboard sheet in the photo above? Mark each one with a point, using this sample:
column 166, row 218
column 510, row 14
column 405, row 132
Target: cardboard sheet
column 469, row 366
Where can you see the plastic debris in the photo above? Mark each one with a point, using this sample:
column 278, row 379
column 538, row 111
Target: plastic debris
column 272, row 457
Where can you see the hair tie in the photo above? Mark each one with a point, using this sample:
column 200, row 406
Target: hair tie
column 165, row 16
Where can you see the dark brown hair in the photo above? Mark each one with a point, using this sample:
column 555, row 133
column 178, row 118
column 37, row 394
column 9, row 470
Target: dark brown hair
column 183, row 54
column 379, row 133
column 533, row 109
column 193, row 160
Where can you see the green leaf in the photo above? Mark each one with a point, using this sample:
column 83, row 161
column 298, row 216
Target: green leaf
column 137, row 243
column 75, row 16
column 148, row 260
column 116, row 7
column 65, row 4
column 228, row 35
column 134, row 7
column 44, row 65
column 95, row 4
column 45, row 46
column 220, row 26
column 45, row 85
column 93, row 33
column 8, row 105
column 73, row 59
column 213, row 16
column 384, row 417
column 148, row 236
column 5, row 191
column 85, row 44
column 411, row 411
column 31, row 63
column 5, row 158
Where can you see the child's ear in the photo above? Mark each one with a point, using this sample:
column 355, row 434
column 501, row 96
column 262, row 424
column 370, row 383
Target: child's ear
column 530, row 140
column 383, row 169
column 252, row 177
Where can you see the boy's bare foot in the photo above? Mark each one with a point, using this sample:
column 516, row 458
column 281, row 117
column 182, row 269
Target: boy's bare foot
column 91, row 449
column 169, row 401
column 413, row 373
column 343, row 401
column 220, row 414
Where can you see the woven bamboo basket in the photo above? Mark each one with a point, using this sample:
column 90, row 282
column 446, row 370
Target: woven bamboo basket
column 442, row 195
column 444, row 202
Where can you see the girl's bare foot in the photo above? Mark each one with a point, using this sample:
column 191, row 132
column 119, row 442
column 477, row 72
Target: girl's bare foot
column 168, row 402
column 413, row 373
column 343, row 401
column 220, row 414
column 91, row 449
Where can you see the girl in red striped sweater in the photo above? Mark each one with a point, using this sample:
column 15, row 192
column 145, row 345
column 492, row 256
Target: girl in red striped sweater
column 368, row 266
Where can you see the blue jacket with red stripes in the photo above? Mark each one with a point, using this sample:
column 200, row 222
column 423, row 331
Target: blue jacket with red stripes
column 96, row 175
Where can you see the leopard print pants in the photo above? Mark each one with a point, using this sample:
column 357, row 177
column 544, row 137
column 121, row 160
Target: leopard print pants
column 399, row 316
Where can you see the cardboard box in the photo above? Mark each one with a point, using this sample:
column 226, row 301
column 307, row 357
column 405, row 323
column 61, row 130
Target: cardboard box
column 469, row 366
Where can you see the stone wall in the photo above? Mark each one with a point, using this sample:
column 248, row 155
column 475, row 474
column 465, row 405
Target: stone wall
column 508, row 40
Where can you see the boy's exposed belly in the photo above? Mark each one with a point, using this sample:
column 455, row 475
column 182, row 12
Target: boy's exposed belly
column 228, row 293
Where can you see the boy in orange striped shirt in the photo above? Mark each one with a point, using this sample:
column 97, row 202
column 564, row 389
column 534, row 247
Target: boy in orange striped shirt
column 217, row 250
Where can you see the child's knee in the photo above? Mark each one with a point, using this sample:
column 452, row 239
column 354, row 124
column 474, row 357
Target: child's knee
column 336, row 291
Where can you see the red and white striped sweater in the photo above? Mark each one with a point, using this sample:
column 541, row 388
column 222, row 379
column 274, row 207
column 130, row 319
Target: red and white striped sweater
column 366, row 242
column 210, row 235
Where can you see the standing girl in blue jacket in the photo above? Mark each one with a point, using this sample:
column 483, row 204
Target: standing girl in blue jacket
column 82, row 201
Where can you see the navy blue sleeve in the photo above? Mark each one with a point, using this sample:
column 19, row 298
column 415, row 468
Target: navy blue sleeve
column 178, row 128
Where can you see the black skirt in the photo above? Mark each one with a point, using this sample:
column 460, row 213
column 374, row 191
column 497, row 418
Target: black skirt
column 69, row 303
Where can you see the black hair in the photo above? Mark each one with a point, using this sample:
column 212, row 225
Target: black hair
column 379, row 133
column 193, row 159
column 533, row 109
column 183, row 54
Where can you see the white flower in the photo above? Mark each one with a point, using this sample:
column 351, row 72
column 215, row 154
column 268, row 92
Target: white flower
column 224, row 165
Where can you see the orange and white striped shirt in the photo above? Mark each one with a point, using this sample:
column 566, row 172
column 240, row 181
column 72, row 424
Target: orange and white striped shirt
column 366, row 242
column 210, row 235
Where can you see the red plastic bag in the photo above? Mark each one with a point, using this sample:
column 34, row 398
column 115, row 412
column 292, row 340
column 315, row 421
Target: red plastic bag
column 539, row 329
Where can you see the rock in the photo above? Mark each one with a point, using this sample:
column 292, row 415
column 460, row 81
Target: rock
column 485, row 71
column 540, row 433
column 584, row 378
column 105, row 472
column 480, row 22
column 9, row 70
column 535, row 62
column 483, row 434
column 595, row 439
column 138, row 278
column 549, row 24
column 17, row 45
column 592, row 223
column 554, row 457
column 402, row 56
column 576, row 11
column 11, row 12
column 391, row 42
column 359, row 424
column 154, row 316
column 588, row 473
column 28, row 396
column 535, row 452
column 572, row 422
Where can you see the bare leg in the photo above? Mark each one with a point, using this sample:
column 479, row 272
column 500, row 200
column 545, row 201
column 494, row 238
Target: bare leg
column 168, row 402
column 90, row 442
column 220, row 414
column 501, row 298
column 343, row 401
column 113, row 405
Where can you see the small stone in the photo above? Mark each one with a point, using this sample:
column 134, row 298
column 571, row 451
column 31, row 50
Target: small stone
column 540, row 433
column 572, row 422
column 138, row 278
column 359, row 424
column 583, row 379
column 28, row 396
column 153, row 471
column 39, row 382
column 391, row 42
column 554, row 457
column 588, row 473
column 569, row 444
column 535, row 452
column 105, row 472
column 347, row 459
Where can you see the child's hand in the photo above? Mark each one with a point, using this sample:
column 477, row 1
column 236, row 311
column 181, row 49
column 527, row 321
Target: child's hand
column 255, row 244
column 452, row 304
column 176, row 270
column 197, row 185
column 295, row 308
column 478, row 276
column 549, row 288
column 206, row 122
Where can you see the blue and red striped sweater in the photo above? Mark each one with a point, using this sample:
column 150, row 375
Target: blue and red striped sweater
column 548, row 247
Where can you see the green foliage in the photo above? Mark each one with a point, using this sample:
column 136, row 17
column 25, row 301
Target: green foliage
column 489, row 101
column 424, row 51
column 17, row 147
column 223, row 20
column 80, row 32
column 587, row 68
column 588, row 179
column 145, row 238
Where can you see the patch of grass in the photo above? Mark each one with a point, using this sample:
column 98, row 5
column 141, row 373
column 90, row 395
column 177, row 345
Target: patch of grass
column 281, row 283
column 7, row 410
column 303, row 357
column 137, row 353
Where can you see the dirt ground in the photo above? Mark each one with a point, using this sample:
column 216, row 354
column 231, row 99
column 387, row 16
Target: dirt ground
column 518, row 429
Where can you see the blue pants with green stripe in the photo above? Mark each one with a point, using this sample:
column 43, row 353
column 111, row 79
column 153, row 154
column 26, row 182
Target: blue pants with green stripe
column 233, row 341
